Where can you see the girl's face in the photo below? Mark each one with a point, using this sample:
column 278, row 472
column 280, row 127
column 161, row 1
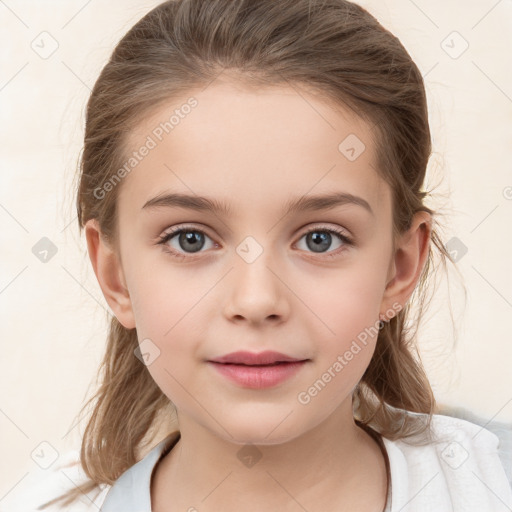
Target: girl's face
column 247, row 276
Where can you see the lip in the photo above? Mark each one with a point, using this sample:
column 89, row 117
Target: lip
column 257, row 371
column 251, row 358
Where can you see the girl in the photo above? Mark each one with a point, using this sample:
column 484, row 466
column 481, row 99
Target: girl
column 286, row 143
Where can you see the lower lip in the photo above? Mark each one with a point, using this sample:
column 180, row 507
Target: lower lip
column 258, row 377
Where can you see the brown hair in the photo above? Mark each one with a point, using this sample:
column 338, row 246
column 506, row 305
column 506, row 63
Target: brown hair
column 334, row 48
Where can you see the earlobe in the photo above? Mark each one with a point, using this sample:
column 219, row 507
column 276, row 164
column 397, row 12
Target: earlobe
column 408, row 262
column 109, row 274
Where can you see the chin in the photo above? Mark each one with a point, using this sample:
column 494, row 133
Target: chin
column 257, row 431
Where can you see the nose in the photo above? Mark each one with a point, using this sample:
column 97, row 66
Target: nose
column 256, row 293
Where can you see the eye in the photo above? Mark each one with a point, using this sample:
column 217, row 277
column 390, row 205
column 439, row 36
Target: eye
column 319, row 238
column 188, row 239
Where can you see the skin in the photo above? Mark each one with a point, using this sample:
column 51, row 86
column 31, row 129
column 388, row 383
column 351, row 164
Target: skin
column 257, row 149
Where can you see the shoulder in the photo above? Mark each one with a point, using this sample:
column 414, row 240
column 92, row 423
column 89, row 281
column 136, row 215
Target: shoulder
column 483, row 436
column 454, row 465
column 39, row 485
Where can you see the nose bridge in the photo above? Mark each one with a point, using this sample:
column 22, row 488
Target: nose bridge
column 256, row 292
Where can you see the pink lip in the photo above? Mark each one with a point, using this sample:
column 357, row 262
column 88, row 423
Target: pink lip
column 257, row 371
column 250, row 358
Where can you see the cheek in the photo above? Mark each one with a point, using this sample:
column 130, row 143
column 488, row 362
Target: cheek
column 162, row 299
column 347, row 305
column 168, row 307
column 166, row 314
column 346, row 301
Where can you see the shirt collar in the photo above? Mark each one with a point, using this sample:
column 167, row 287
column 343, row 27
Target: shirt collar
column 131, row 492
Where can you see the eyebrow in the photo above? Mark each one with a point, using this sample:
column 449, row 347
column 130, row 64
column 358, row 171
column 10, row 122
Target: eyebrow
column 304, row 203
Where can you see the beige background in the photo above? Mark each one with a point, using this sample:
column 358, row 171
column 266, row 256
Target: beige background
column 53, row 327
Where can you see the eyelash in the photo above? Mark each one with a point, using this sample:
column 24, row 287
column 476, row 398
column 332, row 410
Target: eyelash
column 162, row 240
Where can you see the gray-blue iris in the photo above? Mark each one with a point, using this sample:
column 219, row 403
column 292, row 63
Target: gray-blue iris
column 318, row 238
column 191, row 237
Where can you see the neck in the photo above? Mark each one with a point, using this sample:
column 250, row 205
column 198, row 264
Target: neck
column 334, row 466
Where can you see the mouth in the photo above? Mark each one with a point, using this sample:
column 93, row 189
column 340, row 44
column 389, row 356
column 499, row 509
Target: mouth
column 260, row 365
column 257, row 371
column 267, row 358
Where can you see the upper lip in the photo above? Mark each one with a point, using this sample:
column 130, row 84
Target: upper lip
column 251, row 358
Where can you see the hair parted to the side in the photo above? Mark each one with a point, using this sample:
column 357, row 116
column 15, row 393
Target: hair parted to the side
column 335, row 49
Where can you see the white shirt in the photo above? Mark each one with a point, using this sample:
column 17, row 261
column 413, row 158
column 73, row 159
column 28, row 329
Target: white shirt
column 468, row 469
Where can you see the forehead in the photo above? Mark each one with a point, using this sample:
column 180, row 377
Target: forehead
column 249, row 146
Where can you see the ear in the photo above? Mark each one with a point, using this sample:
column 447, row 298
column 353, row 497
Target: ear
column 109, row 274
column 407, row 263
